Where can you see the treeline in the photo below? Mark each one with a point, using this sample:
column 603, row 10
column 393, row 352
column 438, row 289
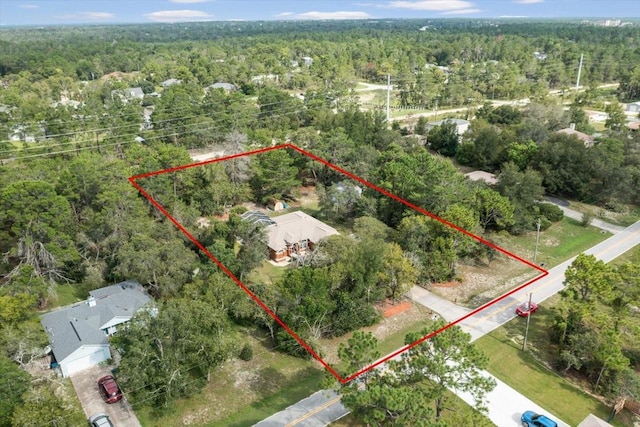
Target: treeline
column 69, row 215
column 506, row 140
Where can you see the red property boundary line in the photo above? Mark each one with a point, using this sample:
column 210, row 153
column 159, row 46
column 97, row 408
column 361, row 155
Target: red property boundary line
column 135, row 178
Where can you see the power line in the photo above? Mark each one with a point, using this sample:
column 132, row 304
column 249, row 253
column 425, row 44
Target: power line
column 97, row 146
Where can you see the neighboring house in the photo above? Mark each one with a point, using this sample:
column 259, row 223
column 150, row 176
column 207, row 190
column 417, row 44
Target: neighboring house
column 78, row 334
column 540, row 56
column 596, row 116
column 262, row 78
column 128, row 94
column 587, row 139
column 308, row 61
column 487, row 177
column 461, row 125
column 632, row 108
column 67, row 102
column 165, row 84
column 27, row 133
column 227, row 87
column 291, row 234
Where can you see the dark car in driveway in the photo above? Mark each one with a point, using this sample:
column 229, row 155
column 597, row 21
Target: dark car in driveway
column 525, row 309
column 100, row 420
column 109, row 389
column 531, row 419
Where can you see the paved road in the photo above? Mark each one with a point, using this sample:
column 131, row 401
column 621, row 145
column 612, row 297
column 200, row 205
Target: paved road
column 495, row 103
column 505, row 404
column 564, row 205
column 318, row 410
column 504, row 310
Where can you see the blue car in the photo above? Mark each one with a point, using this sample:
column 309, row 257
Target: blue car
column 531, row 419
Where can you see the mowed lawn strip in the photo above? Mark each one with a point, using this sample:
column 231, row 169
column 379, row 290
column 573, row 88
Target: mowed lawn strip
column 264, row 408
column 556, row 244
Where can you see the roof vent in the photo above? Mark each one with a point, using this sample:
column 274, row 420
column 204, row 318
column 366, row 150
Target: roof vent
column 91, row 301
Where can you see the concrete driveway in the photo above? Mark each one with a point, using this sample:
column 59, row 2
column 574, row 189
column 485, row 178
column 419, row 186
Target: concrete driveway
column 86, row 385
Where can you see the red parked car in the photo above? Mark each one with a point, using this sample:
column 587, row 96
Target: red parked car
column 524, row 309
column 109, row 389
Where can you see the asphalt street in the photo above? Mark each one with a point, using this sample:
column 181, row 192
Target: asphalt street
column 505, row 405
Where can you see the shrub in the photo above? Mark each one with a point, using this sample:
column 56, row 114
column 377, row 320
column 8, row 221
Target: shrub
column 551, row 212
column 586, row 219
column 246, row 353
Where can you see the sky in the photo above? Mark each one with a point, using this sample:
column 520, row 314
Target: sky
column 65, row 12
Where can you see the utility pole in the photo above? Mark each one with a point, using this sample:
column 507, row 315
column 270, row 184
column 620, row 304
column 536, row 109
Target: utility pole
column 535, row 253
column 526, row 331
column 388, row 95
column 579, row 71
column 436, row 118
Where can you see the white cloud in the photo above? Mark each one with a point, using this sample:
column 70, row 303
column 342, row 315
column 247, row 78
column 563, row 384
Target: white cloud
column 325, row 15
column 187, row 1
column 528, row 1
column 29, row 6
column 462, row 11
column 178, row 16
column 434, row 5
column 91, row 16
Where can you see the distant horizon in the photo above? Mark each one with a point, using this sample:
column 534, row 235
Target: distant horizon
column 53, row 13
column 634, row 20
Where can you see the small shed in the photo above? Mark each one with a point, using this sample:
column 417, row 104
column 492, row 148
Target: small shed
column 277, row 205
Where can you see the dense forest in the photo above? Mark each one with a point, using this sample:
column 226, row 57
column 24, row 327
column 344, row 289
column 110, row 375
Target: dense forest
column 71, row 134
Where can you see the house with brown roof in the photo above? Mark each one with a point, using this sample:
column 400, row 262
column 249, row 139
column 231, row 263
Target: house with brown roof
column 292, row 234
column 571, row 130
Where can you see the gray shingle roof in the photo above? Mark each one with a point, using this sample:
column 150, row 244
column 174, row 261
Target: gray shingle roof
column 222, row 85
column 72, row 327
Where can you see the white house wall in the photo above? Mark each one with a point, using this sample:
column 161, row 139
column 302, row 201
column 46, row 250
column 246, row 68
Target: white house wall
column 83, row 358
column 114, row 322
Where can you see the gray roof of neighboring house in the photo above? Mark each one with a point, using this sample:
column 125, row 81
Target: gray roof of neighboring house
column 457, row 122
column 170, row 82
column 72, row 327
column 295, row 227
column 225, row 86
column 134, row 92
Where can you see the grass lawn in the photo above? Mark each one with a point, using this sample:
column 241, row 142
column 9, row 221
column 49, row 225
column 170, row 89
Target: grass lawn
column 558, row 243
column 67, row 294
column 242, row 393
column 525, row 373
column 267, row 273
column 276, row 402
column 632, row 256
